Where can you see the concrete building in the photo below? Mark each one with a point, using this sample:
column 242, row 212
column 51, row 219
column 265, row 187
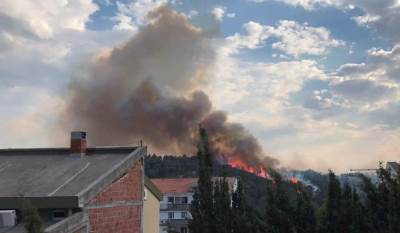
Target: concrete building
column 79, row 189
column 177, row 197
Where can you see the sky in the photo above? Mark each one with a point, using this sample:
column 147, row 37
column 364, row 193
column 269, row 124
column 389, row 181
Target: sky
column 316, row 81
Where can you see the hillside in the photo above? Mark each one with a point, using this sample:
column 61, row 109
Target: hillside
column 255, row 187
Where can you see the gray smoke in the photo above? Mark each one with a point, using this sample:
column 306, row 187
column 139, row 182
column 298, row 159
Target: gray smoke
column 148, row 88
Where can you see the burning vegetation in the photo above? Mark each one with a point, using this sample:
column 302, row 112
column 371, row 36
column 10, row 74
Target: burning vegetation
column 150, row 88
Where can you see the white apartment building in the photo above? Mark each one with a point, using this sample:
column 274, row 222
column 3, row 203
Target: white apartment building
column 177, row 197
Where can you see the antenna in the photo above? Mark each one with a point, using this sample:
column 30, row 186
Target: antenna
column 363, row 170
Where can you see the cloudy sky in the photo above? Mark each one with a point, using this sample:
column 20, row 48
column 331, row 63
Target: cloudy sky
column 317, row 81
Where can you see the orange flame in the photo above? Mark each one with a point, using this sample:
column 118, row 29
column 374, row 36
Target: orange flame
column 259, row 171
column 294, row 180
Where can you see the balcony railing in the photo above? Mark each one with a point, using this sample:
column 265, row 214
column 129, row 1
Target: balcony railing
column 174, row 222
column 170, row 206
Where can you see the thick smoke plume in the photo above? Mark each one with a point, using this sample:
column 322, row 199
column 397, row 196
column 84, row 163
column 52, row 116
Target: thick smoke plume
column 148, row 88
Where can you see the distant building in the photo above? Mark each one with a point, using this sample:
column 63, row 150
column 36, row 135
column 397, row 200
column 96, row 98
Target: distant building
column 177, row 197
column 79, row 189
column 394, row 168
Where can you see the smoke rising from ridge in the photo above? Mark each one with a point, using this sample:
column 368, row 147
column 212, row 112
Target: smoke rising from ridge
column 150, row 88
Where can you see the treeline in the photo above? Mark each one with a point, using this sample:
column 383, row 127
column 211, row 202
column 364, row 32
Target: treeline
column 370, row 208
column 172, row 166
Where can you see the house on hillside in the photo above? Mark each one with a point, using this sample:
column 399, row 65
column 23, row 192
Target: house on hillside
column 177, row 197
column 394, row 168
column 79, row 189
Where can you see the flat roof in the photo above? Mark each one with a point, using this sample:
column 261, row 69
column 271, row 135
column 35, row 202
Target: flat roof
column 53, row 173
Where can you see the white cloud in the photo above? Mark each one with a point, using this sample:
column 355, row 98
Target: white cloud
column 231, row 15
column 42, row 43
column 293, row 38
column 380, row 16
column 44, row 18
column 381, row 65
column 299, row 39
column 306, row 4
column 256, row 34
column 218, row 13
column 134, row 13
column 124, row 23
column 28, row 121
column 192, row 13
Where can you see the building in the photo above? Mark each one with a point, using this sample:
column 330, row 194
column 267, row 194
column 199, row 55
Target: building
column 394, row 168
column 79, row 189
column 175, row 205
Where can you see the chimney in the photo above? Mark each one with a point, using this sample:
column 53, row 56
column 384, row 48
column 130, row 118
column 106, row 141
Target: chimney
column 78, row 143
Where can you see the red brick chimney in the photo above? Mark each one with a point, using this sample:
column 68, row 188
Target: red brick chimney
column 78, row 143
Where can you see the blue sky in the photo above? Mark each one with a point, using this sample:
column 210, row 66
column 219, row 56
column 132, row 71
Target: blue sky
column 316, row 81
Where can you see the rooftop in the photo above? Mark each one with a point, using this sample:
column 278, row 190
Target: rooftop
column 52, row 176
column 394, row 165
column 183, row 185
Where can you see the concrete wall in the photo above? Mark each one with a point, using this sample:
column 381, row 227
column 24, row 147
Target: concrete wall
column 118, row 209
column 151, row 214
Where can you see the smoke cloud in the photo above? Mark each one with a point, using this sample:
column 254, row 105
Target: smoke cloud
column 150, row 88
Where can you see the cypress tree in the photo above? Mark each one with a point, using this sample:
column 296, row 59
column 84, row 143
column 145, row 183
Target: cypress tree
column 346, row 216
column 222, row 206
column 30, row 217
column 202, row 205
column 279, row 212
column 196, row 221
column 304, row 218
column 333, row 205
column 239, row 222
column 389, row 196
column 358, row 220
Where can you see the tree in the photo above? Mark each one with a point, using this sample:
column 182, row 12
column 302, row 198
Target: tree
column 203, row 205
column 304, row 218
column 30, row 217
column 239, row 215
column 222, row 206
column 331, row 222
column 346, row 215
column 279, row 212
column 358, row 217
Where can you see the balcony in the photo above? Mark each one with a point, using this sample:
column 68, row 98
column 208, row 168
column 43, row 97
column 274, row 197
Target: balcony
column 170, row 206
column 174, row 222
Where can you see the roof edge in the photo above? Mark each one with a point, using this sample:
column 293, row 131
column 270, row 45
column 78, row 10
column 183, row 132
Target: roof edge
column 40, row 202
column 69, row 224
column 110, row 176
column 153, row 188
column 51, row 150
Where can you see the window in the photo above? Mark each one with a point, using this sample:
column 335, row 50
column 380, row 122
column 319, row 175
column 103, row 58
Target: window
column 184, row 230
column 171, row 215
column 170, row 199
column 183, row 215
column 59, row 215
column 181, row 200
